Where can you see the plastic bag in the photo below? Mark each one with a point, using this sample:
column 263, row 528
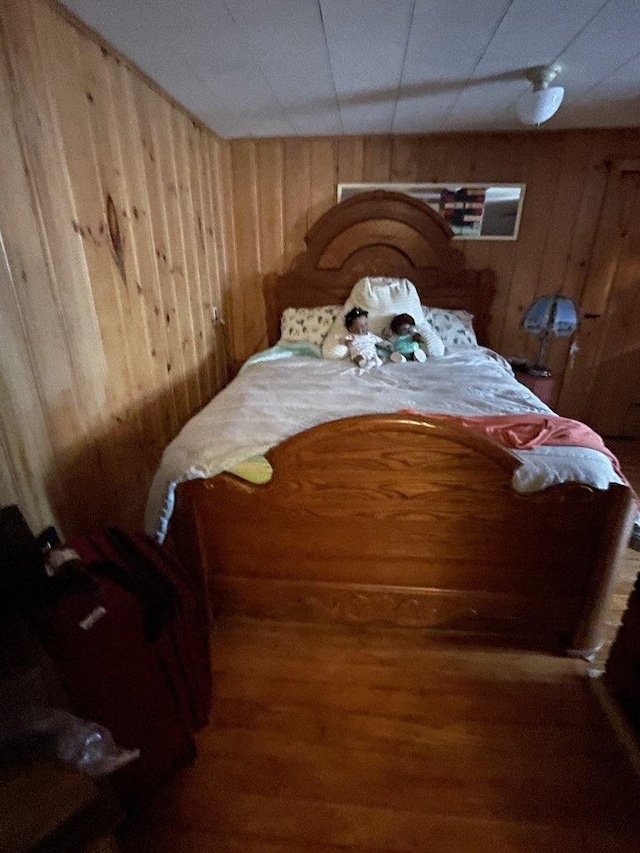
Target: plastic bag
column 86, row 744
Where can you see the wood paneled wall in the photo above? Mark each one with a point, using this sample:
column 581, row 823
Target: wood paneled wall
column 116, row 240
column 123, row 221
column 280, row 188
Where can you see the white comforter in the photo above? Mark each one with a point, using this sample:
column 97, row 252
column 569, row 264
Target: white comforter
column 278, row 394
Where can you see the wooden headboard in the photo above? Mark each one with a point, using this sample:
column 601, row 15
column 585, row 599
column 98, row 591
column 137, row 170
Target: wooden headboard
column 380, row 233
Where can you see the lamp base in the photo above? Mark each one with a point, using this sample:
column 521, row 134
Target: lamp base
column 538, row 370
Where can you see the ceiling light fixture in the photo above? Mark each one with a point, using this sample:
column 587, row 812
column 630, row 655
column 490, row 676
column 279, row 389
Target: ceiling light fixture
column 541, row 102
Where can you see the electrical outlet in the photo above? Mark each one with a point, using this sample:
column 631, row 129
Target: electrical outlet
column 215, row 316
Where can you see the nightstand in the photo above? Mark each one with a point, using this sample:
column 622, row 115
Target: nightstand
column 542, row 386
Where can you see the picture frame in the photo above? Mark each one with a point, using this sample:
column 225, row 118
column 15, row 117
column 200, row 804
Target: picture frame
column 474, row 211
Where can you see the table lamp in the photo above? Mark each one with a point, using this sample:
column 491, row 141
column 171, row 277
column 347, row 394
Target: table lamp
column 547, row 317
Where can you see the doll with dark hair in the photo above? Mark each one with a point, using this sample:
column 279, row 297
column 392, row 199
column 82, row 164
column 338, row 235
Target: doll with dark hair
column 405, row 340
column 361, row 342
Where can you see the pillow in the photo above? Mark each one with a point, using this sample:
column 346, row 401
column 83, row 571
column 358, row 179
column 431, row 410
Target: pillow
column 383, row 298
column 433, row 344
column 455, row 327
column 307, row 324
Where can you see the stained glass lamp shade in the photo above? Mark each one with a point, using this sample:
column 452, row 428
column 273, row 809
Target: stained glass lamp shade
column 547, row 317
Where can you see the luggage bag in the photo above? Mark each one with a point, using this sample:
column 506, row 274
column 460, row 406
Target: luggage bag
column 130, row 639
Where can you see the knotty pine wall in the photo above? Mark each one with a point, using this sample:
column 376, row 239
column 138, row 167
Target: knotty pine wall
column 280, row 188
column 115, row 223
column 106, row 344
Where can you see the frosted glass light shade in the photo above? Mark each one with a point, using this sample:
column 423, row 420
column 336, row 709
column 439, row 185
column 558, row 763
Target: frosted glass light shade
column 538, row 105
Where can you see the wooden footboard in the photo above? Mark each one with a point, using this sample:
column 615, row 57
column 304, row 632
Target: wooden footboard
column 405, row 520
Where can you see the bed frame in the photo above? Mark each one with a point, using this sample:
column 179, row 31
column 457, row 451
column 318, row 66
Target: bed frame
column 403, row 519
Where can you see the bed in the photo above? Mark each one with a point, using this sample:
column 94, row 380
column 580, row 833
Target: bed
column 372, row 513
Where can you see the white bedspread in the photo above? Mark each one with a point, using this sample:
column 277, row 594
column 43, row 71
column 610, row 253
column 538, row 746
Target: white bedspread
column 279, row 394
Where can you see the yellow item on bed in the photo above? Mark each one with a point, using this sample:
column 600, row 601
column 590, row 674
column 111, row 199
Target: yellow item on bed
column 255, row 469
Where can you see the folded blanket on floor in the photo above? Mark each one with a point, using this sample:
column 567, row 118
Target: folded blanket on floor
column 524, row 432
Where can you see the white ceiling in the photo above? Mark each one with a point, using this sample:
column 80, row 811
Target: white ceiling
column 332, row 67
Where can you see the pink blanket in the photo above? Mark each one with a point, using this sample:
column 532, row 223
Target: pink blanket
column 524, row 432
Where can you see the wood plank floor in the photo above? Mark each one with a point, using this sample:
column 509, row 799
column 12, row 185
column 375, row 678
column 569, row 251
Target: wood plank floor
column 628, row 453
column 334, row 738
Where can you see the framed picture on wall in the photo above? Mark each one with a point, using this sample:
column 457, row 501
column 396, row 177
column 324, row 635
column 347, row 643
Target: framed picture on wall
column 474, row 211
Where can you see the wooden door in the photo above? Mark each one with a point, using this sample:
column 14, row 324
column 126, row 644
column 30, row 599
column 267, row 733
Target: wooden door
column 602, row 382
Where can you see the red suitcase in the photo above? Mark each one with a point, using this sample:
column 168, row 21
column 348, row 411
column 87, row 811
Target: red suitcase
column 183, row 644
column 130, row 639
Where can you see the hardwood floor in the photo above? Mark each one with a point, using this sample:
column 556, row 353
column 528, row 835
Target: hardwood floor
column 327, row 738
column 334, row 738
